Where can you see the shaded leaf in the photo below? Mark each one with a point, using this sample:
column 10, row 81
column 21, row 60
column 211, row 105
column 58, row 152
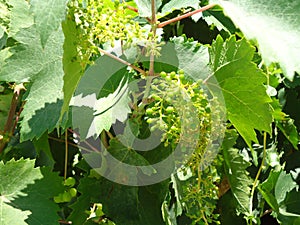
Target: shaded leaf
column 216, row 16
column 178, row 4
column 88, row 187
column 150, row 203
column 289, row 130
column 279, row 190
column 42, row 147
column 267, row 190
column 227, row 205
column 238, row 177
column 107, row 110
column 38, row 200
column 284, row 184
column 21, row 185
column 108, row 194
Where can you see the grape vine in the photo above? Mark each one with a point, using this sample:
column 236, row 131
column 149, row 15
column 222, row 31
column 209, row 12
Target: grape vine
column 87, row 85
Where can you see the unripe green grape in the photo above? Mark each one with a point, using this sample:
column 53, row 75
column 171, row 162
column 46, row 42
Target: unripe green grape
column 172, row 74
column 156, row 97
column 163, row 74
column 58, row 198
column 70, row 181
column 149, row 111
column 66, row 197
column 170, row 109
column 173, row 128
column 181, row 76
column 73, row 192
column 150, row 120
column 168, row 78
column 181, row 71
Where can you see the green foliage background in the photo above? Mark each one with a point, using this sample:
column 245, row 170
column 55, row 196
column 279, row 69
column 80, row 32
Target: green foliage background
column 250, row 49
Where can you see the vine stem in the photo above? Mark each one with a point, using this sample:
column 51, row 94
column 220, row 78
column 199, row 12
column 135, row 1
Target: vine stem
column 66, row 154
column 10, row 125
column 259, row 171
column 154, row 26
column 121, row 61
column 132, row 8
column 185, row 15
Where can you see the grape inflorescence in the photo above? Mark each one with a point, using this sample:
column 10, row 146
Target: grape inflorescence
column 101, row 21
column 175, row 99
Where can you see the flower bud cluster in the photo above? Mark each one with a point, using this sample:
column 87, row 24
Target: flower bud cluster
column 101, row 21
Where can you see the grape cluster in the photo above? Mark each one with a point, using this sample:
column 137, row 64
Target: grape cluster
column 102, row 21
column 69, row 193
column 175, row 99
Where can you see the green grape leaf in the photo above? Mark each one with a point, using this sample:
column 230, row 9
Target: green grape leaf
column 241, row 82
column 5, row 101
column 150, row 202
column 23, row 173
column 88, row 187
column 41, row 193
column 178, row 4
column 107, row 110
column 238, row 177
column 292, row 203
column 4, row 15
column 144, row 7
column 107, row 193
column 228, row 204
column 289, row 130
column 126, row 211
column 20, row 16
column 193, row 57
column 22, row 184
column 103, row 89
column 29, row 61
column 216, row 16
column 279, row 190
column 8, row 214
column 284, row 185
column 267, row 189
column 43, row 150
column 72, row 68
column 48, row 16
column 126, row 155
column 3, row 39
column 263, row 21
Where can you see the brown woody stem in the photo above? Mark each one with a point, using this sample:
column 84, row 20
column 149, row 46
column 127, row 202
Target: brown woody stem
column 132, row 8
column 9, row 125
column 185, row 15
column 121, row 61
